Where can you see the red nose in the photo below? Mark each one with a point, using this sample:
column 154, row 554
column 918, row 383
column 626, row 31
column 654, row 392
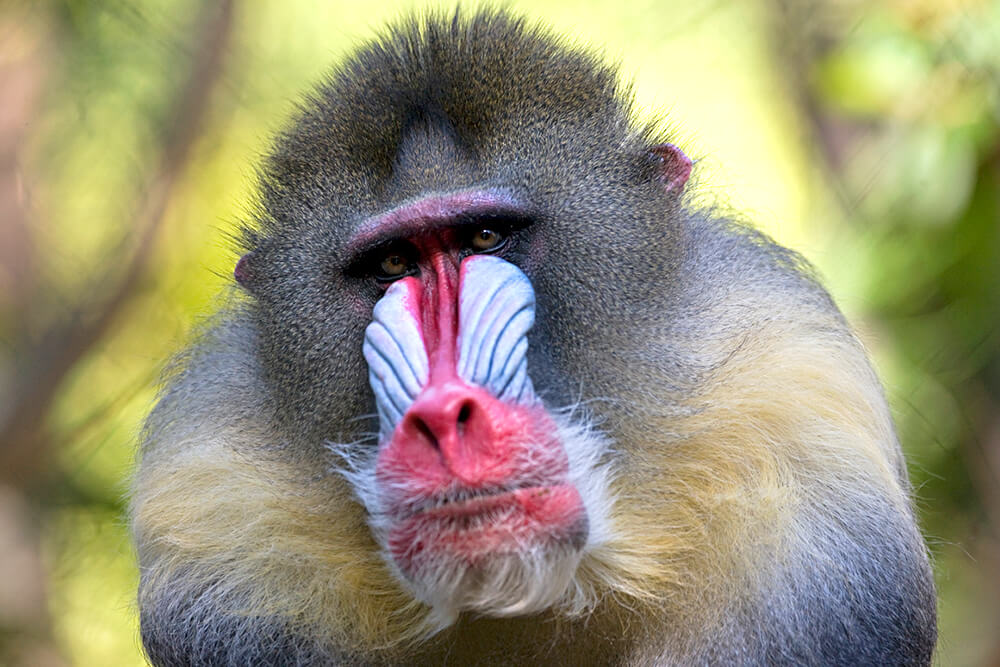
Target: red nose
column 463, row 427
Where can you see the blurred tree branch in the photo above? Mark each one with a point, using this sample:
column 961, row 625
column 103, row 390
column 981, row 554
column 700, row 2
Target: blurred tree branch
column 43, row 362
column 40, row 363
column 898, row 102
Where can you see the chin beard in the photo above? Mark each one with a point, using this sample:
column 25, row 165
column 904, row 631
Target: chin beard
column 503, row 584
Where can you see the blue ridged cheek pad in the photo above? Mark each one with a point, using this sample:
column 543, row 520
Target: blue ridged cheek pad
column 394, row 349
column 496, row 309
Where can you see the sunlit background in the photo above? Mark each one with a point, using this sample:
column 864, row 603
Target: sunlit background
column 864, row 134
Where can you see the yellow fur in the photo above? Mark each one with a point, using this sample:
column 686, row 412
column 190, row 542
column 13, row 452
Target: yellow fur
column 298, row 547
column 796, row 419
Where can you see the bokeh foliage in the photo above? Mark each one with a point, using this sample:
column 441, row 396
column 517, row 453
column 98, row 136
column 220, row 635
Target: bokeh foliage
column 865, row 134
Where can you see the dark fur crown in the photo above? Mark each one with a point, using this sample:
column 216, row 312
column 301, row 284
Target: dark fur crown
column 477, row 96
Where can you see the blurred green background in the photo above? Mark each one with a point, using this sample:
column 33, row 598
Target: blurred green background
column 864, row 134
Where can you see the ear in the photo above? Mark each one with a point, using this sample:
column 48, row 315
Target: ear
column 244, row 272
column 673, row 166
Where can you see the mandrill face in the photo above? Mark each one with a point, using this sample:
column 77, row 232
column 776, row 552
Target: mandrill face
column 480, row 499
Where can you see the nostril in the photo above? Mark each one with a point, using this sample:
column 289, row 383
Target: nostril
column 424, row 430
column 457, row 427
column 463, row 416
column 443, row 420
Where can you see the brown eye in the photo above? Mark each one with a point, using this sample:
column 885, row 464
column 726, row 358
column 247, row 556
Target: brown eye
column 394, row 265
column 485, row 240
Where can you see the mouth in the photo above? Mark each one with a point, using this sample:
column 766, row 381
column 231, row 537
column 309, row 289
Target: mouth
column 472, row 502
column 479, row 524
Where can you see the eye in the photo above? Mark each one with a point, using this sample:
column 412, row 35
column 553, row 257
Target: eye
column 394, row 265
column 485, row 240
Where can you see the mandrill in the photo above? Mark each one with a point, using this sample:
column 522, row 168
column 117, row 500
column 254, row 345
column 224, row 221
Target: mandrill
column 491, row 392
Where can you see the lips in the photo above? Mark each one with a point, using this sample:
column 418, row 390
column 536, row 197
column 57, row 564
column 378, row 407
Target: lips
column 470, row 502
column 476, row 524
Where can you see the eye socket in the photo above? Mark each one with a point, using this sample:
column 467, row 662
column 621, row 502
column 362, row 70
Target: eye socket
column 393, row 265
column 486, row 240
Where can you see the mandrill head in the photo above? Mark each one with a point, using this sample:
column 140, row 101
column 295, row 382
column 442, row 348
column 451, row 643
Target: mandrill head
column 493, row 393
